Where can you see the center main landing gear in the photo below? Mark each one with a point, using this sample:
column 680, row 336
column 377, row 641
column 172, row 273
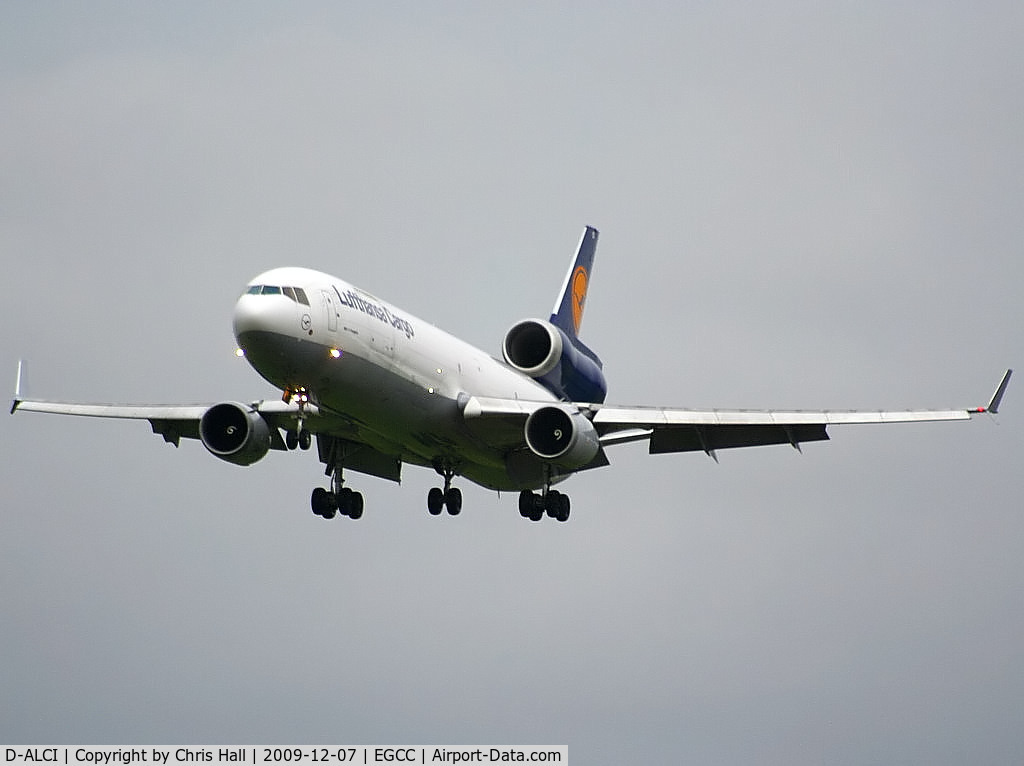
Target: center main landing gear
column 449, row 497
column 339, row 499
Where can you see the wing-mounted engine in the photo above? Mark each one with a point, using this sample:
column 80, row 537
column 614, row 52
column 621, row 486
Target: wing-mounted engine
column 561, row 364
column 235, row 432
column 563, row 436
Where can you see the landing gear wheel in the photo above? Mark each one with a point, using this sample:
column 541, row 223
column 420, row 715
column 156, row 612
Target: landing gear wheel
column 291, row 440
column 552, row 502
column 350, row 503
column 531, row 506
column 355, row 508
column 563, row 509
column 304, row 439
column 435, row 501
column 453, row 501
column 557, row 505
column 344, row 498
column 526, row 503
column 322, row 503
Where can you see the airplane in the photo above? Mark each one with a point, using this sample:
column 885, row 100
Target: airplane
column 379, row 388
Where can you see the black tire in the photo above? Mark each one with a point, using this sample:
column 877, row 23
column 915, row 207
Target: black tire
column 526, row 503
column 538, row 508
column 453, row 501
column 553, row 503
column 291, row 440
column 305, row 440
column 435, row 501
column 355, row 508
column 320, row 502
column 345, row 501
column 563, row 509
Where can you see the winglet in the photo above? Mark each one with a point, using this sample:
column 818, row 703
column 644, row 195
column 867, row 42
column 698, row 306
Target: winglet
column 997, row 397
column 17, row 387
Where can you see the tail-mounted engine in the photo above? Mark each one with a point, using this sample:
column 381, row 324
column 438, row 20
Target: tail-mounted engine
column 235, row 433
column 561, row 364
column 563, row 436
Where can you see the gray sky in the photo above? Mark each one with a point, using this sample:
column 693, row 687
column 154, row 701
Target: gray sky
column 803, row 205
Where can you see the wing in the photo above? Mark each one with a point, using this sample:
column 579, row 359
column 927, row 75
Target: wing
column 686, row 430
column 172, row 421
column 682, row 430
column 335, row 434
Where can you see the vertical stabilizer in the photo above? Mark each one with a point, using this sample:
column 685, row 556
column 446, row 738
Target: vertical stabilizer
column 568, row 312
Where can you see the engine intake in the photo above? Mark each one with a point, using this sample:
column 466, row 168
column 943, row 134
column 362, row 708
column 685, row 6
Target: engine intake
column 235, row 433
column 563, row 436
column 561, row 364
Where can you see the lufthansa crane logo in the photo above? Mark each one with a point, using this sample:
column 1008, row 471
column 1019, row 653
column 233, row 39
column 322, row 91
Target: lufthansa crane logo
column 579, row 296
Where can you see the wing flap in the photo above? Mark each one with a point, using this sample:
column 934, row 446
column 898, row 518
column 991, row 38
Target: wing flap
column 710, row 438
column 358, row 457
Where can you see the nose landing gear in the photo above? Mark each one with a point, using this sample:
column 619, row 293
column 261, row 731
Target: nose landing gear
column 300, row 437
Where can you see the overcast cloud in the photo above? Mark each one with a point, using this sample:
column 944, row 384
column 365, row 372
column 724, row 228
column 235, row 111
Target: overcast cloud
column 801, row 205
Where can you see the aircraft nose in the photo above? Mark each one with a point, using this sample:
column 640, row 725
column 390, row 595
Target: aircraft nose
column 249, row 316
column 258, row 316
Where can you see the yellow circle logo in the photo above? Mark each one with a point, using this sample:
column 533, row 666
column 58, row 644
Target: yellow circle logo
column 579, row 296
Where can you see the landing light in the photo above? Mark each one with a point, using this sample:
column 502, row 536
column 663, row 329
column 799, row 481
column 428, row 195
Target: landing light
column 239, row 353
column 335, row 353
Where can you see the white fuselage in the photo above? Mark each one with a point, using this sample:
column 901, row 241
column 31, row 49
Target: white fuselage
column 397, row 381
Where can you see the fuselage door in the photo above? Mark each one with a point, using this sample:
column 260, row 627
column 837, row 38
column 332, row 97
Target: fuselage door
column 330, row 310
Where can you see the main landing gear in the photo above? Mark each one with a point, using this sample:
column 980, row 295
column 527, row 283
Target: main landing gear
column 339, row 499
column 533, row 506
column 449, row 497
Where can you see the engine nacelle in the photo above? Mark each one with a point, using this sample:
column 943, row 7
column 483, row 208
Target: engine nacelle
column 562, row 436
column 562, row 365
column 235, row 432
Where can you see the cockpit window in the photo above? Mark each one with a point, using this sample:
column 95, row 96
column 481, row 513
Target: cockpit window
column 297, row 294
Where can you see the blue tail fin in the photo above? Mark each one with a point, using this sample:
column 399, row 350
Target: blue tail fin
column 568, row 312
